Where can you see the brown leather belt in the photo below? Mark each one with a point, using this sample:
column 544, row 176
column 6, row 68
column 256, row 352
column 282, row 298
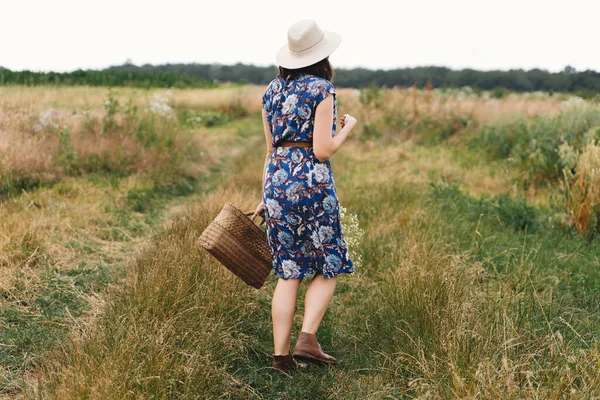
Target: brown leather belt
column 287, row 143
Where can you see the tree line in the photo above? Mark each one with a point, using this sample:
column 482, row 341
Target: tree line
column 106, row 77
column 567, row 80
column 203, row 75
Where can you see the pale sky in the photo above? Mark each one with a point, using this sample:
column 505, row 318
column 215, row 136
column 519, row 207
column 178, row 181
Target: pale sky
column 63, row 35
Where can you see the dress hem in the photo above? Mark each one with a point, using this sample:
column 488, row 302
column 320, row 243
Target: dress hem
column 314, row 272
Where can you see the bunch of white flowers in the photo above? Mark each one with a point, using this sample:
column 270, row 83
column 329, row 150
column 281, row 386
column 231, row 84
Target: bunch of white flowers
column 159, row 106
column 567, row 155
column 45, row 120
column 353, row 235
column 573, row 102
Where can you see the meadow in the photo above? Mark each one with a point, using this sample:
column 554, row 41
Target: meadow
column 474, row 218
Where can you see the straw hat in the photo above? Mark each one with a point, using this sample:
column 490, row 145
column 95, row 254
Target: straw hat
column 307, row 44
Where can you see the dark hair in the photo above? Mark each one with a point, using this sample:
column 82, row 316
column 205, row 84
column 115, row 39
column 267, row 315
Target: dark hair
column 322, row 69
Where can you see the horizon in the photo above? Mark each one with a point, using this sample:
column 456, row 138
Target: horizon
column 275, row 66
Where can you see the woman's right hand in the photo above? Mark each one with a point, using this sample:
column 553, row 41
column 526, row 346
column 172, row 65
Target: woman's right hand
column 260, row 210
column 348, row 120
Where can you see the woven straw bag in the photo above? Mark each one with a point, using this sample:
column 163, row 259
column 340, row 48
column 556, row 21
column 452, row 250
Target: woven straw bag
column 238, row 243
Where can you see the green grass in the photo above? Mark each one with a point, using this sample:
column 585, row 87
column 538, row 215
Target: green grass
column 42, row 316
column 459, row 296
column 470, row 286
column 49, row 297
column 539, row 248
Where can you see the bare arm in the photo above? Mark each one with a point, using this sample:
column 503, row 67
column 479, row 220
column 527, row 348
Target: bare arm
column 269, row 140
column 324, row 144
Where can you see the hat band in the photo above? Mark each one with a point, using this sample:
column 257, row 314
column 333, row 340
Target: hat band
column 307, row 49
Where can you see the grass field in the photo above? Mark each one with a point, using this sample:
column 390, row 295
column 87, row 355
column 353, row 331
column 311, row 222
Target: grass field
column 480, row 260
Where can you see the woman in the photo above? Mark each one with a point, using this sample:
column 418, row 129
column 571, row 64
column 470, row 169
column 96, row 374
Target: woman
column 299, row 201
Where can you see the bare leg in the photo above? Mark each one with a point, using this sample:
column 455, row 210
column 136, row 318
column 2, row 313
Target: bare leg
column 316, row 300
column 283, row 307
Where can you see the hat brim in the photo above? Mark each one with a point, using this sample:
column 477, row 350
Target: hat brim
column 288, row 59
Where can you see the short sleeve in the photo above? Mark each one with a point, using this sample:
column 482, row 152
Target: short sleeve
column 322, row 88
column 267, row 98
column 266, row 101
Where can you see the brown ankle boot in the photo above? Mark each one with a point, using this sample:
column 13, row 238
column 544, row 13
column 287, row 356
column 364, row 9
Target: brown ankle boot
column 307, row 348
column 287, row 363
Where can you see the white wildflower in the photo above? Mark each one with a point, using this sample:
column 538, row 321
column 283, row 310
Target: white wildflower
column 159, row 106
column 47, row 119
column 567, row 155
column 573, row 102
column 352, row 235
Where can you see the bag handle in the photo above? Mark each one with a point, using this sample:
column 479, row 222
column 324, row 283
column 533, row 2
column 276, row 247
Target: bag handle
column 253, row 214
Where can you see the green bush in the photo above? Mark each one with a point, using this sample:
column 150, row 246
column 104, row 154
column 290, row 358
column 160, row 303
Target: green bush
column 371, row 96
column 499, row 138
column 112, row 108
column 235, row 108
column 370, row 131
column 202, row 118
column 437, row 130
column 15, row 182
column 499, row 92
column 535, row 144
column 66, row 153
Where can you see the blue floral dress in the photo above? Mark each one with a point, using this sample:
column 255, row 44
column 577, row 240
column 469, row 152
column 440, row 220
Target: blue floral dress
column 302, row 214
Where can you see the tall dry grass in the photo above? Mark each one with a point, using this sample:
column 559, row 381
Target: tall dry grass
column 447, row 328
column 433, row 116
column 582, row 191
column 91, row 130
column 144, row 345
column 85, row 176
column 54, row 135
column 412, row 103
column 453, row 300
column 419, row 320
column 426, row 317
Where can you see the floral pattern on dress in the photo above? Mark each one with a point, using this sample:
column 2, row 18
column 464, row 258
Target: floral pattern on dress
column 302, row 215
